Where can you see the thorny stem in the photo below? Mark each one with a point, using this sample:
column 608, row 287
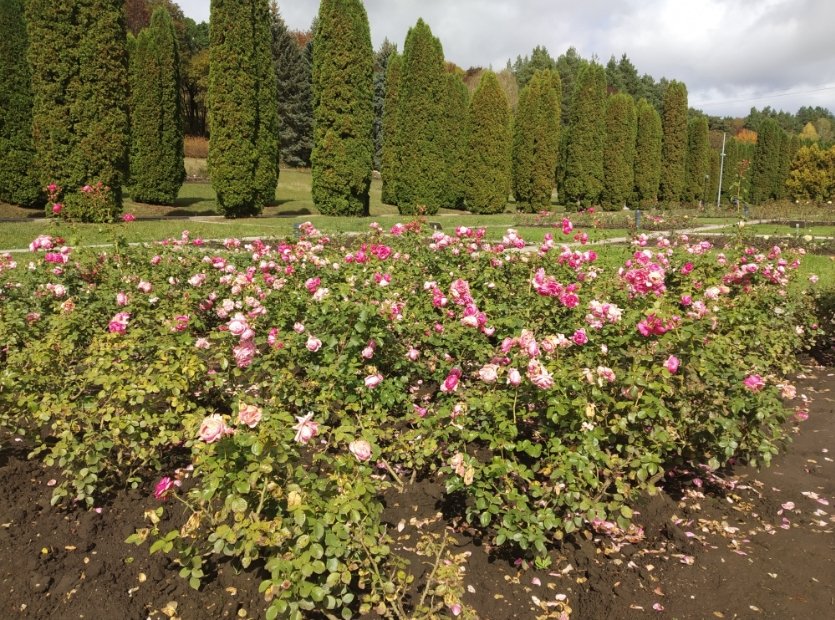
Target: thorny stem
column 394, row 475
column 431, row 577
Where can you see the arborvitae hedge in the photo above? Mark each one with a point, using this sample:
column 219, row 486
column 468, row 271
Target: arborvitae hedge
column 738, row 158
column 421, row 179
column 79, row 72
column 488, row 148
column 18, row 182
column 674, row 143
column 242, row 107
column 456, row 103
column 156, row 147
column 343, row 110
column 381, row 62
column 698, row 160
column 765, row 169
column 536, row 142
column 586, row 134
column 647, row 166
column 390, row 162
column 621, row 133
column 295, row 101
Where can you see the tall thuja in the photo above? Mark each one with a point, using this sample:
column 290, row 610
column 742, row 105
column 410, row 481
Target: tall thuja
column 79, row 119
column 647, row 165
column 488, row 148
column 381, row 60
column 697, row 168
column 788, row 148
column 765, row 168
column 295, row 105
column 156, row 148
column 343, row 110
column 242, row 105
column 456, row 103
column 536, row 142
column 621, row 133
column 583, row 182
column 674, row 143
column 18, row 182
column 736, row 176
column 389, row 157
column 421, row 178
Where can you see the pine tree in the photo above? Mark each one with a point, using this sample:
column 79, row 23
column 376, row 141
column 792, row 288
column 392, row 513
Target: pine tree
column 488, row 148
column 243, row 110
column 674, row 143
column 156, row 150
column 389, row 159
column 698, row 160
column 343, row 111
column 536, row 142
column 295, row 105
column 621, row 134
column 421, row 178
column 18, row 182
column 586, row 130
column 647, row 167
column 381, row 59
column 456, row 102
column 765, row 168
column 79, row 72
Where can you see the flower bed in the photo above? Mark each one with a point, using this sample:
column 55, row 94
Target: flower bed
column 277, row 389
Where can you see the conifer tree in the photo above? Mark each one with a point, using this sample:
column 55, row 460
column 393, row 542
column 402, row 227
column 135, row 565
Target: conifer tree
column 536, row 142
column 343, row 110
column 621, row 134
column 381, row 60
column 647, row 166
column 389, row 159
column 586, row 131
column 674, row 143
column 421, row 177
column 295, row 105
column 488, row 148
column 79, row 72
column 156, row 147
column 18, row 182
column 698, row 160
column 243, row 110
column 765, row 168
column 456, row 101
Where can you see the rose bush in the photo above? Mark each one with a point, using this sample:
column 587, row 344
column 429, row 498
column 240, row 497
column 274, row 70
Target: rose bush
column 292, row 382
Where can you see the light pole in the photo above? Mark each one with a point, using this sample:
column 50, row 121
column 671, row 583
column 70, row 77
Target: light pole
column 721, row 170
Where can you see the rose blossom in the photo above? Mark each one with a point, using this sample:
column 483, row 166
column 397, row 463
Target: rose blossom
column 164, row 487
column 754, row 383
column 514, row 377
column 539, row 375
column 119, row 323
column 298, row 328
column 788, row 391
column 313, row 344
column 580, row 337
column 213, row 428
column 121, row 299
column 672, row 364
column 360, row 449
column 249, row 415
column 372, row 381
column 451, row 382
column 202, row 343
column 306, row 429
column 489, row 373
column 413, row 354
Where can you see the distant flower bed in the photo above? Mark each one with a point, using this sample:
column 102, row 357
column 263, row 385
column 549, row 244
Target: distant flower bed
column 297, row 380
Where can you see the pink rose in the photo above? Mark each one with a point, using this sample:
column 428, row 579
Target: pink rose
column 672, row 364
column 119, row 323
column 754, row 383
column 298, row 328
column 539, row 375
column 801, row 414
column 514, row 377
column 580, row 337
column 413, row 354
column 202, row 343
column 121, row 299
column 128, row 217
column 368, row 351
column 313, row 344
column 238, row 325
column 164, row 487
column 360, row 449
column 489, row 373
column 450, row 384
column 213, row 428
column 57, row 208
column 249, row 415
column 372, row 381
column 306, row 429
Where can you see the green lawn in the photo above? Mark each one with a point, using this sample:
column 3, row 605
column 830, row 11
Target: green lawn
column 783, row 230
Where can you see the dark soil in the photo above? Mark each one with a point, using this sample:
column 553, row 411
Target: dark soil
column 753, row 544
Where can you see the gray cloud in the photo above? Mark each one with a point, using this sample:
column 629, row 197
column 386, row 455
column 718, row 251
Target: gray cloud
column 732, row 54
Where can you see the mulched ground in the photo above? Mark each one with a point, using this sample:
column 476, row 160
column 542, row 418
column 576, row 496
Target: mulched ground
column 754, row 544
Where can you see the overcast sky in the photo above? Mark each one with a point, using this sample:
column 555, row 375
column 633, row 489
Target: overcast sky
column 731, row 54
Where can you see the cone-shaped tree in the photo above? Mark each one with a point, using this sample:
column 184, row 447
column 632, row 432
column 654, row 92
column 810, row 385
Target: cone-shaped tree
column 343, row 111
column 586, row 135
column 765, row 169
column 18, row 182
column 621, row 133
column 421, row 179
column 389, row 159
column 295, row 103
column 536, row 142
column 647, row 166
column 457, row 101
column 381, row 62
column 79, row 72
column 674, row 143
column 488, row 148
column 156, row 148
column 698, row 160
column 243, row 110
